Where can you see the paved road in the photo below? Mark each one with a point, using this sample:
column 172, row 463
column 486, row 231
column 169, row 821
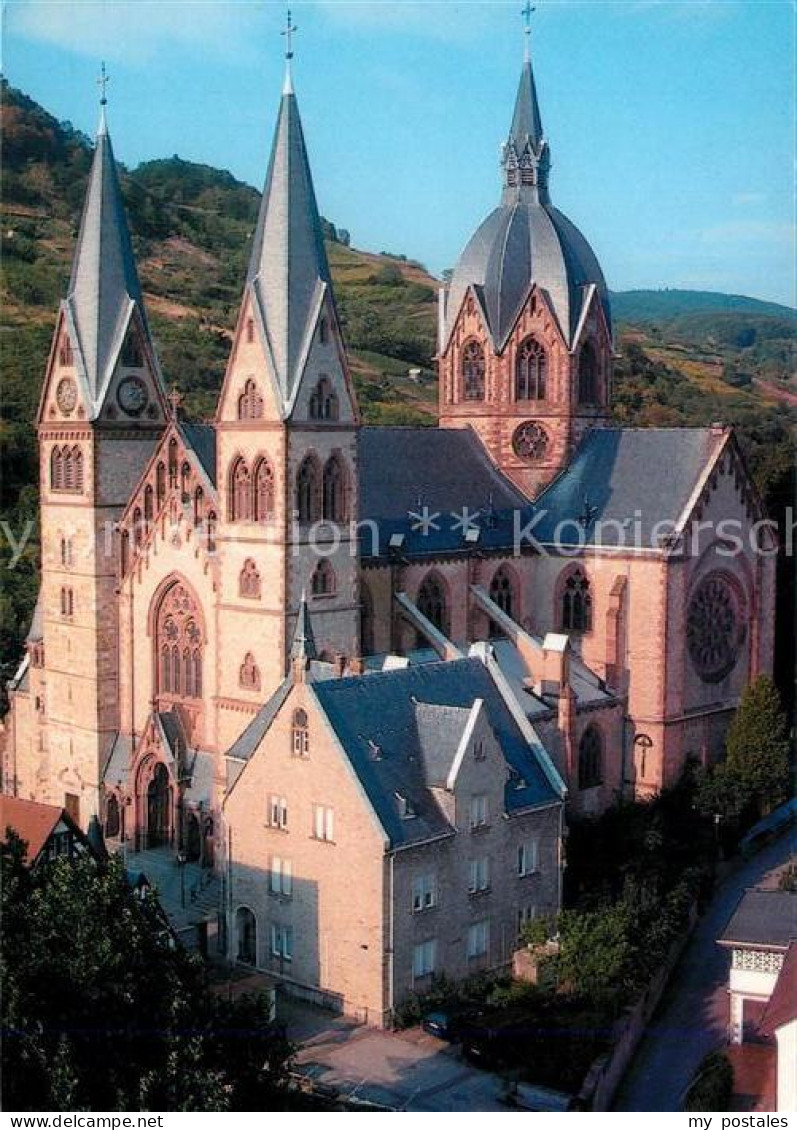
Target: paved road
column 693, row 1017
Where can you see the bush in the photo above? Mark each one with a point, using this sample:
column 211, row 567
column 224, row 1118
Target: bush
column 712, row 1086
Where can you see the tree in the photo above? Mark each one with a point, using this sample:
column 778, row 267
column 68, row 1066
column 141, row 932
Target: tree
column 596, row 953
column 758, row 745
column 102, row 1010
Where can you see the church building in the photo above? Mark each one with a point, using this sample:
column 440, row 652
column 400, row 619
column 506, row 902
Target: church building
column 361, row 673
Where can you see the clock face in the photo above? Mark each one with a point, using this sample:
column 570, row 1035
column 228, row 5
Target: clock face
column 132, row 396
column 66, row 395
column 530, row 441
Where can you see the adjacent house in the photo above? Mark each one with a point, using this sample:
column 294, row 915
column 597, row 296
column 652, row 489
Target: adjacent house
column 48, row 831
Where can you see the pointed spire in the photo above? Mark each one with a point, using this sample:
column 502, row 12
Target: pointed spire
column 104, row 287
column 288, row 270
column 303, row 647
column 526, row 121
column 526, row 158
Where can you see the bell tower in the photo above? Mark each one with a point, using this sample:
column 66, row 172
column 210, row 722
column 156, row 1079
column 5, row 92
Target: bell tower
column 101, row 411
column 525, row 348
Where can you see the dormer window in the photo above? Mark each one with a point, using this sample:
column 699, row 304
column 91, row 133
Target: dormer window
column 405, row 807
column 324, row 401
column 300, row 734
column 479, row 752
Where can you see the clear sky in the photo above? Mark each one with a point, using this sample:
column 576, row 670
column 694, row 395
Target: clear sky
column 671, row 122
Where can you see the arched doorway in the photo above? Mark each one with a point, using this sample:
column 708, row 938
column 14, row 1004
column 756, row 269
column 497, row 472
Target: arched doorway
column 246, row 934
column 159, row 806
column 193, row 840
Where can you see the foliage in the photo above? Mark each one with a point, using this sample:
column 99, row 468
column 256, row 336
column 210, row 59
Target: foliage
column 712, row 1087
column 758, row 744
column 536, row 931
column 788, row 878
column 102, row 1011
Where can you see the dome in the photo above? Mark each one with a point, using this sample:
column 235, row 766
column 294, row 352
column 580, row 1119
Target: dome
column 526, row 240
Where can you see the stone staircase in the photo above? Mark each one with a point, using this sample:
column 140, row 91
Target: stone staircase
column 189, row 894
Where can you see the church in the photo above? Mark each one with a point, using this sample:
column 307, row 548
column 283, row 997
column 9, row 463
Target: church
column 300, row 649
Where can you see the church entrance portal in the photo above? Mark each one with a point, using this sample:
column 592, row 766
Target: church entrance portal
column 159, row 803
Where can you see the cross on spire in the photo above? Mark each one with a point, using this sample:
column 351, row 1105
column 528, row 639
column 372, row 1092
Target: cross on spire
column 102, row 83
column 526, row 12
column 288, row 32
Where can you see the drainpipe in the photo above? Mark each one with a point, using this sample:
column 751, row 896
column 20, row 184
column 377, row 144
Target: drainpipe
column 391, row 939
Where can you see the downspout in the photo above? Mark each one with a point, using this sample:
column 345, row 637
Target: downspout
column 391, row 939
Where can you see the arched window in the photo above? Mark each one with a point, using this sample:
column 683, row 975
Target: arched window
column 199, row 505
column 324, row 401
column 250, row 402
column 300, row 734
column 249, row 580
column 125, row 551
column 131, row 352
column 172, row 462
column 531, row 371
column 148, row 503
column 185, row 481
column 323, row 581
column 576, row 603
column 264, row 491
column 367, row 645
column 211, row 531
column 473, row 371
column 246, row 934
column 587, row 374
column 65, row 351
column 57, row 469
column 308, row 491
column 112, row 821
column 160, row 484
column 179, row 644
column 590, row 758
column 77, row 457
column 432, row 602
column 502, row 591
column 336, row 490
column 249, row 674
column 240, row 492
column 138, row 527
column 67, row 602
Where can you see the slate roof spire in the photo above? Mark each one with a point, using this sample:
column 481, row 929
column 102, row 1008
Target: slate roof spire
column 288, row 273
column 104, row 288
column 526, row 158
column 303, row 647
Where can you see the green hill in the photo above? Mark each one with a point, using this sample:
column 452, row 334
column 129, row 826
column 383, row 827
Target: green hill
column 663, row 305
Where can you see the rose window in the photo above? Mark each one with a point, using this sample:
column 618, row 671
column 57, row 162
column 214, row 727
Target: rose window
column 714, row 628
column 530, row 441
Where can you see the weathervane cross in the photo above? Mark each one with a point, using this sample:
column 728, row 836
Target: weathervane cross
column 102, row 83
column 290, row 28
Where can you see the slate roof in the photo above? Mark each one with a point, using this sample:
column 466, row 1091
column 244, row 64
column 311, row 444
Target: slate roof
column 201, row 438
column 624, row 474
column 382, row 711
column 247, row 742
column 104, row 287
column 763, row 919
column 288, row 272
column 36, row 629
column 782, row 1005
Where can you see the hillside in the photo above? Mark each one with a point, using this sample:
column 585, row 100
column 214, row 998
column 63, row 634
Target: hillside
column 686, row 357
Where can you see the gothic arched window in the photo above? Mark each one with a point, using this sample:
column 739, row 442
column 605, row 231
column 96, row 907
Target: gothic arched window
column 308, row 491
column 587, row 375
column 160, row 484
column 264, row 491
column 249, row 673
column 590, row 758
column 335, row 490
column 185, row 481
column 576, row 603
column 148, row 504
column 172, row 462
column 112, row 820
column 57, row 469
column 249, row 580
column 199, row 505
column 324, row 401
column 300, row 734
column 240, row 492
column 531, row 371
column 432, row 603
column 131, row 352
column 65, row 356
column 179, row 644
column 246, row 933
column 473, row 371
column 366, row 620
column 250, row 402
column 502, row 591
column 323, row 582
column 138, row 526
column 211, row 531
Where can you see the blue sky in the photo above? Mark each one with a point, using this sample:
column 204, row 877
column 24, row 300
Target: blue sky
column 671, row 123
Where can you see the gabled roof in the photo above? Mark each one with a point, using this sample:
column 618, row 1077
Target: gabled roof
column 245, row 745
column 763, row 919
column 288, row 272
column 201, row 439
column 33, row 822
column 387, row 723
column 104, row 289
column 782, row 1005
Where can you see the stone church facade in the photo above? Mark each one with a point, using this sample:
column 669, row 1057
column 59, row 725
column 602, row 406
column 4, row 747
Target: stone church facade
column 299, row 648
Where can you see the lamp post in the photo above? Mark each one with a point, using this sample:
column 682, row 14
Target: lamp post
column 181, row 862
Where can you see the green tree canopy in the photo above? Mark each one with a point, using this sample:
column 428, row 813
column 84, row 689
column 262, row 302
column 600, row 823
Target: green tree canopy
column 758, row 745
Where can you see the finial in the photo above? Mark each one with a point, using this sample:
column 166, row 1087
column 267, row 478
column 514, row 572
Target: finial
column 102, row 83
column 175, row 400
column 289, row 31
column 526, row 12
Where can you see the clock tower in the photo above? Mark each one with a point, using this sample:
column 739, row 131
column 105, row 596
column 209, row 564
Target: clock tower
column 101, row 412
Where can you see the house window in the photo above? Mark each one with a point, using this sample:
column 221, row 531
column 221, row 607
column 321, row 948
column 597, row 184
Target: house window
column 249, row 580
column 423, row 958
column 282, row 941
column 576, row 603
column 249, row 673
column 478, row 811
column 531, row 371
column 431, row 602
column 335, row 491
column 473, row 371
column 525, row 915
column 323, row 580
column 280, row 876
column 324, row 401
column 479, row 875
column 278, row 812
column 308, row 491
column 323, row 823
column 478, row 938
column 587, row 375
column 424, row 892
column 250, row 402
column 528, row 858
column 590, row 758
column 300, row 734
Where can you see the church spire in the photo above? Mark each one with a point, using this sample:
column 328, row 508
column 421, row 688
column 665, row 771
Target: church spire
column 104, row 290
column 288, row 272
column 303, row 648
column 526, row 158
